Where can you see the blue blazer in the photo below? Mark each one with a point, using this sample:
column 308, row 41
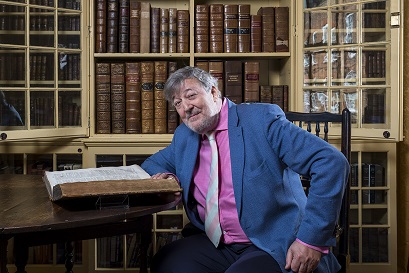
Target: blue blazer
column 267, row 155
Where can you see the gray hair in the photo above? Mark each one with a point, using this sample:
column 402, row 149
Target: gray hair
column 177, row 78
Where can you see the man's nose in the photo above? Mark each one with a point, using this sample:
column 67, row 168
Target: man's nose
column 186, row 105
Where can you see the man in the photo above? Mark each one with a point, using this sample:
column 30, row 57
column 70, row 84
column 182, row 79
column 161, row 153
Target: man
column 266, row 222
column 9, row 115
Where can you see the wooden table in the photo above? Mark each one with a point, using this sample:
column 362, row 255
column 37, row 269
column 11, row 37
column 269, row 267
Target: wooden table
column 28, row 216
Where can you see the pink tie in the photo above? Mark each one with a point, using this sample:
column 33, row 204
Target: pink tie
column 212, row 222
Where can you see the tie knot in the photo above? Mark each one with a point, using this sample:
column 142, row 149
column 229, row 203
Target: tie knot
column 210, row 135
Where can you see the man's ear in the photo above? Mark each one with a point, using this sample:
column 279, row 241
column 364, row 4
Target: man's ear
column 215, row 93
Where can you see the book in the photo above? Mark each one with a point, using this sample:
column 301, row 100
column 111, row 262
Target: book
column 134, row 26
column 103, row 98
column 155, row 32
column 282, row 29
column 172, row 34
column 104, row 181
column 267, row 28
column 201, row 28
column 216, row 28
column 173, row 116
column 243, row 38
column 100, row 26
column 266, row 94
column 112, row 26
column 233, row 80
column 216, row 70
column 182, row 31
column 123, row 26
column 118, row 98
column 133, row 97
column 164, row 30
column 147, row 97
column 251, row 88
column 160, row 106
column 202, row 64
column 231, row 25
column 145, row 30
column 278, row 95
column 255, row 33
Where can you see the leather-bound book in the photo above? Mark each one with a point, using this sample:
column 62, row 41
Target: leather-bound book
column 160, row 105
column 145, row 42
column 134, row 26
column 202, row 64
column 265, row 94
column 133, row 97
column 100, row 26
column 164, row 30
column 267, row 28
column 172, row 40
column 202, row 28
column 123, row 26
column 285, row 98
column 118, row 98
column 216, row 70
column 255, row 33
column 182, row 31
column 278, row 95
column 112, row 26
column 216, row 28
column 282, row 29
column 155, row 29
column 147, row 97
column 173, row 116
column 243, row 38
column 231, row 25
column 233, row 80
column 251, row 81
column 103, row 98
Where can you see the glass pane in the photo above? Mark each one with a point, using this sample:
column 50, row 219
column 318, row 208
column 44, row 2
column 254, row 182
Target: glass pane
column 374, row 22
column 41, row 254
column 77, row 253
column 315, row 101
column 374, row 216
column 315, row 28
column 354, row 245
column 374, row 66
column 69, row 30
column 42, row 108
column 110, row 252
column 109, row 160
column 375, row 245
column 169, row 221
column 353, row 213
column 12, row 25
column 69, row 108
column 12, row 109
column 133, row 255
column 12, row 67
column 73, row 4
column 69, row 161
column 344, row 66
column 373, row 175
column 41, row 69
column 69, row 70
column 344, row 25
column 314, row 3
column 41, row 3
column 39, row 163
column 374, row 197
column 349, row 100
column 315, row 67
column 41, row 27
column 11, row 163
column 374, row 106
column 135, row 159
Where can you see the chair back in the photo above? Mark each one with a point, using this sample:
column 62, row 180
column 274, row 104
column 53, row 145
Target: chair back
column 320, row 124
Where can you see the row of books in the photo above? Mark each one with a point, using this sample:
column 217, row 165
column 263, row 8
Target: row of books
column 66, row 4
column 373, row 175
column 231, row 28
column 374, row 64
column 137, row 27
column 374, row 245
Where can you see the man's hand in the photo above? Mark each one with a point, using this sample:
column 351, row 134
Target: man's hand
column 163, row 176
column 301, row 258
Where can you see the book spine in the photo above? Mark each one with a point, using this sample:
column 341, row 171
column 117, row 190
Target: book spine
column 147, row 97
column 216, row 28
column 145, row 31
column 103, row 98
column 123, row 25
column 134, row 26
column 266, row 94
column 202, row 28
column 202, row 64
column 216, row 70
column 112, row 26
column 251, row 81
column 267, row 28
column 155, row 32
column 282, row 29
column 173, row 116
column 243, row 38
column 133, row 97
column 233, row 80
column 182, row 31
column 118, row 98
column 278, row 95
column 231, row 24
column 100, row 26
column 172, row 40
column 160, row 105
column 164, row 30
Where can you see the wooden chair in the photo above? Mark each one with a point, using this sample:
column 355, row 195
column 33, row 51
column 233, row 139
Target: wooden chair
column 320, row 124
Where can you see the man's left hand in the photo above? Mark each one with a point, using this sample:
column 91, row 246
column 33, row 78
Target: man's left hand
column 301, row 258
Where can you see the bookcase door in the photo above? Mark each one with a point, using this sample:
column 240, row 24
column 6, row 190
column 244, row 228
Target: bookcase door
column 349, row 53
column 42, row 68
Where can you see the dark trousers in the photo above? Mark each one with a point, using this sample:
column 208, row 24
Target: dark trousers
column 196, row 254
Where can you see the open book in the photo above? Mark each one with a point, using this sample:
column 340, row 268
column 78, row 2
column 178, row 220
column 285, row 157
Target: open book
column 105, row 181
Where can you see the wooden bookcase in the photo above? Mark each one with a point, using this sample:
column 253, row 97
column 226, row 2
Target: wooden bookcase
column 51, row 134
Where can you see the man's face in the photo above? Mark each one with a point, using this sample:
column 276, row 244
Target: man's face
column 197, row 108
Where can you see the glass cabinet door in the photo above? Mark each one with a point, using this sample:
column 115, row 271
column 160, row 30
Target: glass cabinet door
column 41, row 71
column 349, row 51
